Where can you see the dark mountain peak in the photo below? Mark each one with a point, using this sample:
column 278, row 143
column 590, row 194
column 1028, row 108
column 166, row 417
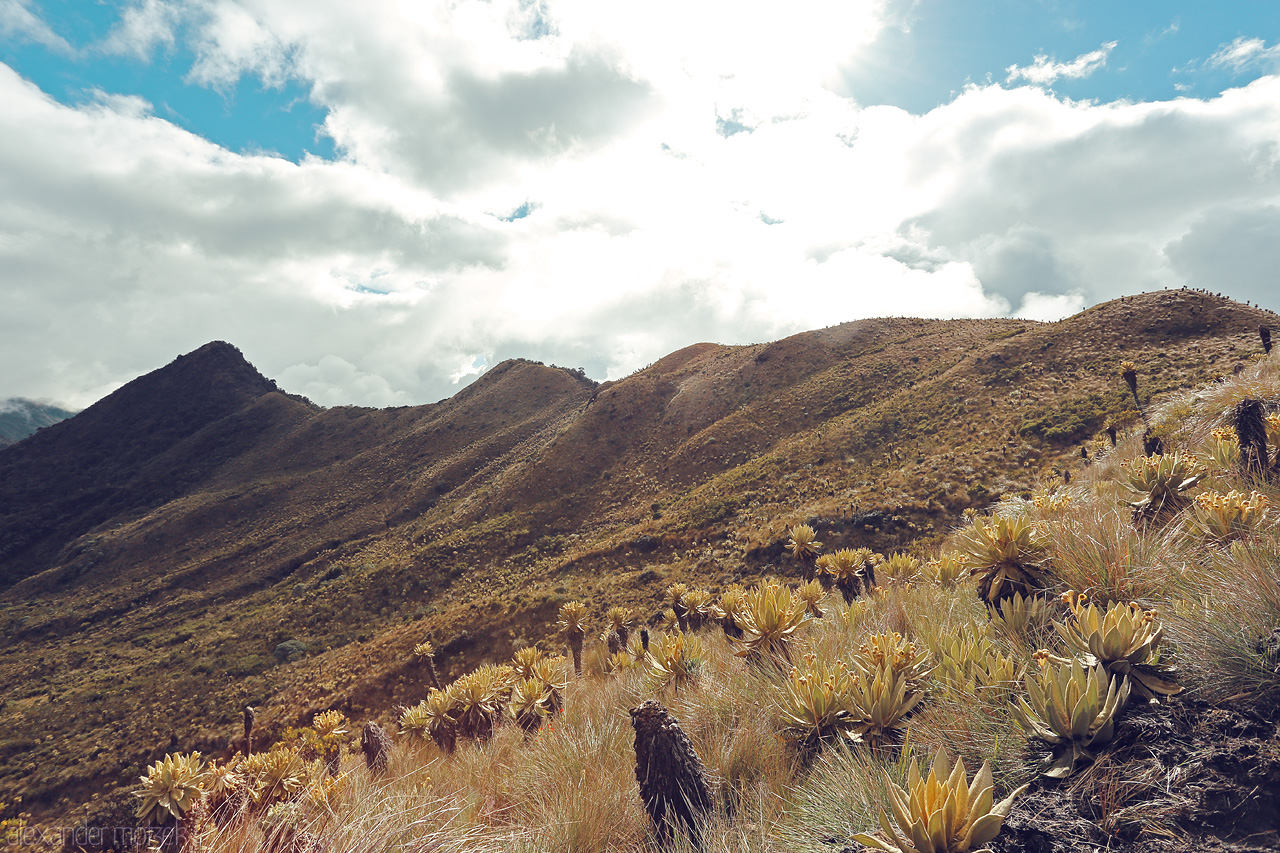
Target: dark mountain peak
column 65, row 479
column 214, row 356
column 216, row 347
column 190, row 392
column 215, row 374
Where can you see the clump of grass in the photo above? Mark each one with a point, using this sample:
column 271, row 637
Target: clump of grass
column 1093, row 547
column 979, row 731
column 844, row 792
column 574, row 788
column 1225, row 618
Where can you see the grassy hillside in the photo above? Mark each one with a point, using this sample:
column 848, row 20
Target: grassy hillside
column 797, row 762
column 315, row 548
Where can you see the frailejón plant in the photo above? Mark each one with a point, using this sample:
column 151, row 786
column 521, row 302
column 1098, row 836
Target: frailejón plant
column 1124, row 639
column 1073, row 708
column 944, row 813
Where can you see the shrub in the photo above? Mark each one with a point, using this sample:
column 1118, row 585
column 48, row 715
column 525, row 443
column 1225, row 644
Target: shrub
column 813, row 703
column 1221, row 518
column 1161, row 483
column 674, row 660
column 1125, row 640
column 770, row 617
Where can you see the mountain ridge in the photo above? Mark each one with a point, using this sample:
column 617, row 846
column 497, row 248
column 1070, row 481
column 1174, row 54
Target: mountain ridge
column 357, row 532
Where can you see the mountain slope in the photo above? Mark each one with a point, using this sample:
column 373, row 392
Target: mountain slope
column 20, row 418
column 174, row 577
column 110, row 459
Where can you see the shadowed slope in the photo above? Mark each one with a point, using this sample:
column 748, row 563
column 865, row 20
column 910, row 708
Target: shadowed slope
column 109, row 460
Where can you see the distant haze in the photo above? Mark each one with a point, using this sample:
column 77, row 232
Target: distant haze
column 20, row 418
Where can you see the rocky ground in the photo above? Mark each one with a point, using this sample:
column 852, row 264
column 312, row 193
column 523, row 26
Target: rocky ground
column 1180, row 777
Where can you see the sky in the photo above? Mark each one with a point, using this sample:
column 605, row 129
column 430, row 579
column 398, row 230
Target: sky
column 378, row 201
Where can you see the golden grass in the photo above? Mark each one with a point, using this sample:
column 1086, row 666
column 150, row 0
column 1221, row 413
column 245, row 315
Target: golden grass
column 1094, row 547
column 571, row 786
column 1226, row 603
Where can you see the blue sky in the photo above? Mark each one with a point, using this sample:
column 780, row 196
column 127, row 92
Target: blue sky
column 920, row 61
column 378, row 200
column 1162, row 49
column 247, row 115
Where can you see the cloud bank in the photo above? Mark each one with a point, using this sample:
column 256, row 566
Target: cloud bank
column 585, row 183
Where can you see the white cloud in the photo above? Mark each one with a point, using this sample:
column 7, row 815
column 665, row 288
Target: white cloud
column 1087, row 197
column 1048, row 307
column 230, row 41
column 389, row 276
column 1231, row 247
column 1043, row 71
column 1247, row 54
column 143, row 26
column 19, row 21
column 334, row 379
column 459, row 95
